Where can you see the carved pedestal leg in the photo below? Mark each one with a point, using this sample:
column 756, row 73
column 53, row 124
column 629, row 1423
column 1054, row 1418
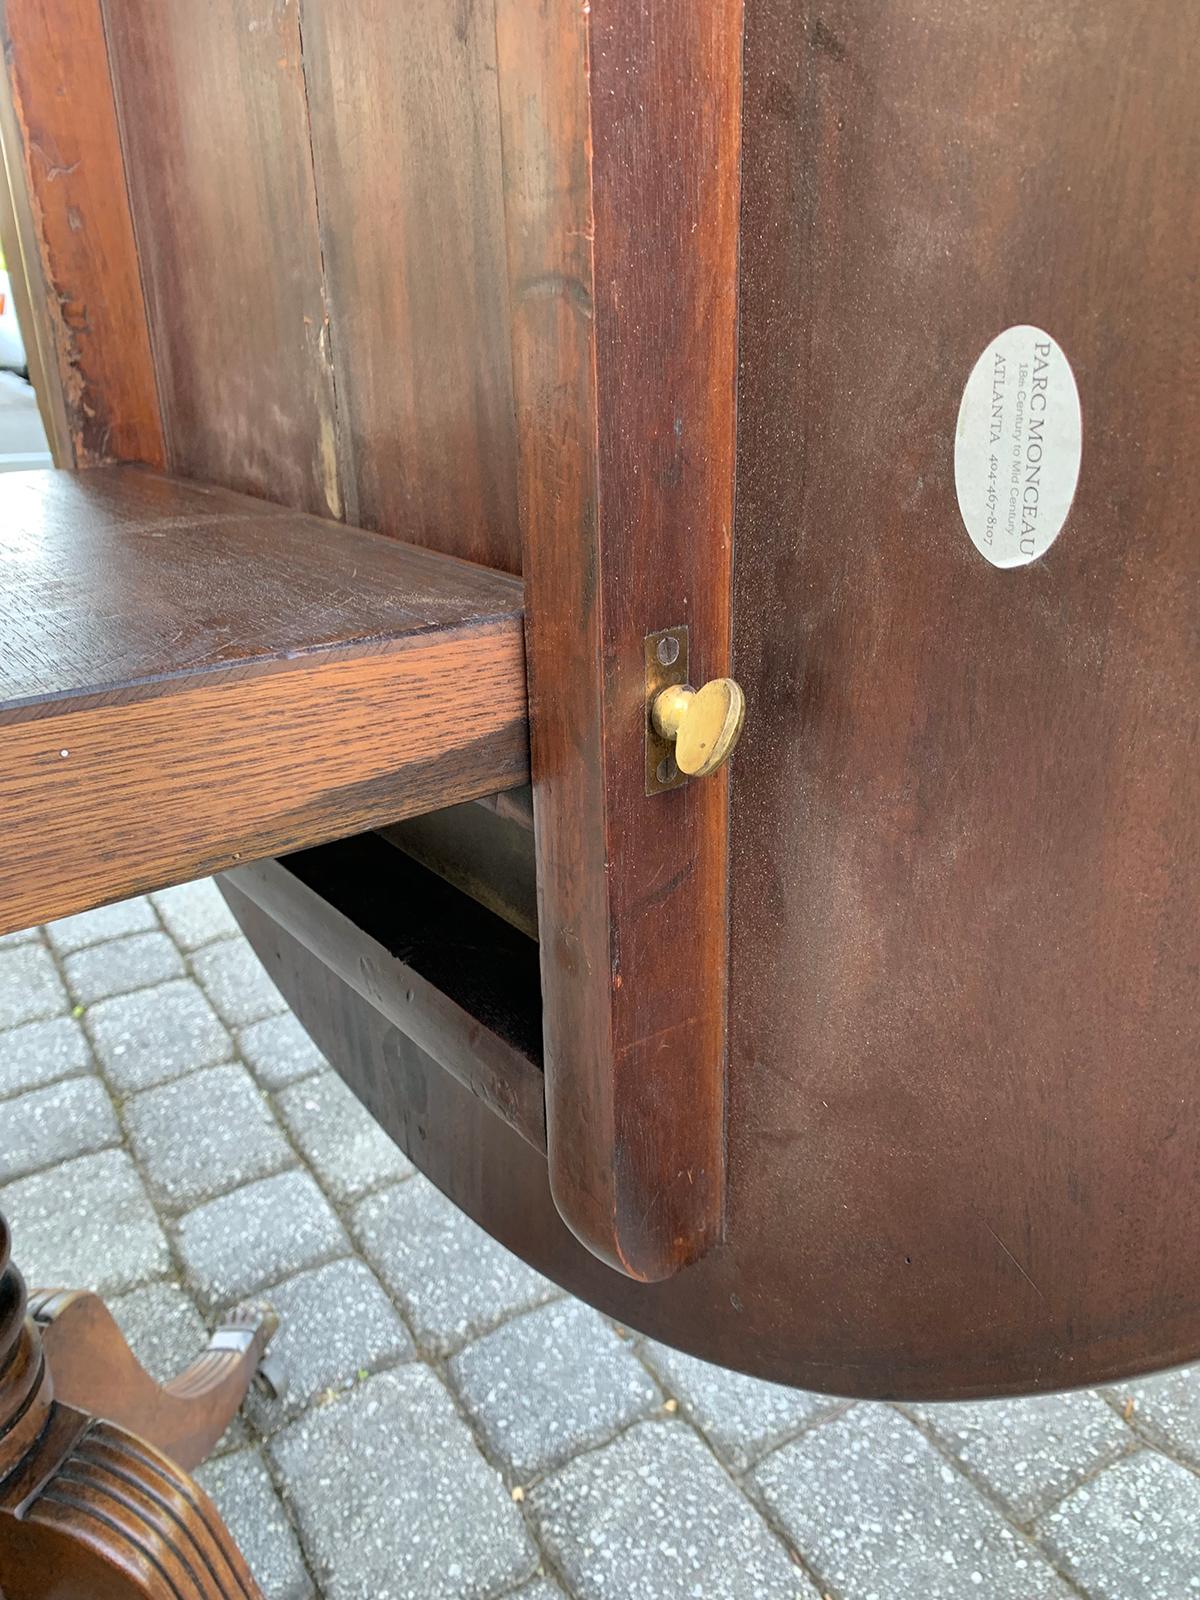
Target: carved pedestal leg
column 94, row 1370
column 88, row 1510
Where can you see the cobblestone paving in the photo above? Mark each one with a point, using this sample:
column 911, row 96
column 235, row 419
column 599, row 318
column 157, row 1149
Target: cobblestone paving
column 455, row 1426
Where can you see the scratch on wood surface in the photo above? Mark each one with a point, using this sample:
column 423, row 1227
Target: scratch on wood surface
column 1014, row 1260
column 656, row 1036
column 55, row 169
column 549, row 285
column 336, row 475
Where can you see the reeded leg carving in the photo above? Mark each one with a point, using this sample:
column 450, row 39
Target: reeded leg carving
column 95, row 1371
column 89, row 1511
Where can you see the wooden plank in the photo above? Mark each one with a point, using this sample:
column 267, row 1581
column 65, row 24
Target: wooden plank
column 456, row 980
column 63, row 151
column 191, row 679
column 621, row 129
column 216, row 139
column 406, row 144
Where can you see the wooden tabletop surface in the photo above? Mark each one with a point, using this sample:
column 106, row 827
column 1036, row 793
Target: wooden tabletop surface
column 192, row 678
column 116, row 578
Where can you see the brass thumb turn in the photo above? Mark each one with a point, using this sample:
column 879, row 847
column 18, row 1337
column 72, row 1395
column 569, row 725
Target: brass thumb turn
column 704, row 723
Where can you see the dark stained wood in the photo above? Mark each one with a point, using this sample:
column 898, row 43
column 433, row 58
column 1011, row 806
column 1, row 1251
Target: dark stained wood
column 486, row 853
column 740, row 1306
column 515, row 804
column 72, row 211
column 621, row 159
column 453, row 976
column 962, row 1141
column 89, row 1511
column 191, row 679
column 216, row 139
column 406, row 143
column 966, row 840
column 961, row 1134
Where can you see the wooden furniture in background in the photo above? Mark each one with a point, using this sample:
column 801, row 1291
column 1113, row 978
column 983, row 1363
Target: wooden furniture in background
column 95, row 1499
column 88, row 337
column 863, row 1067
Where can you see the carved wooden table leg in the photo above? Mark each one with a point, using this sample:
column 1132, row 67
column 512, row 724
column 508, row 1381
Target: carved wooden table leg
column 95, row 1370
column 89, row 1510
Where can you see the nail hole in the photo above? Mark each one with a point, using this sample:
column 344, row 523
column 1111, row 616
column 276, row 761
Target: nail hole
column 668, row 651
column 667, row 770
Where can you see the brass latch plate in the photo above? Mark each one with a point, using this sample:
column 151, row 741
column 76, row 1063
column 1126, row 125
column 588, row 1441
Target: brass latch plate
column 666, row 665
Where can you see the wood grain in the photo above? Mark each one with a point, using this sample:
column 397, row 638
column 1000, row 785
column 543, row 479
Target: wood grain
column 961, row 1118
column 966, row 838
column 65, row 164
column 406, row 144
column 621, row 159
column 186, row 688
column 215, row 129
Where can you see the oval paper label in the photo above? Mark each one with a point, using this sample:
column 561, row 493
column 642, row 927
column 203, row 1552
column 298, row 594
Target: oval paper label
column 1018, row 446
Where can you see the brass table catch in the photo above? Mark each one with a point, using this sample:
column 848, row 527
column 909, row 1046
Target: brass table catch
column 704, row 723
column 689, row 732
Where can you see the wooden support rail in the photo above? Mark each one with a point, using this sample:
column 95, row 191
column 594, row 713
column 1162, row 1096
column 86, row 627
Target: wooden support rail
column 456, row 979
column 621, row 140
column 191, row 678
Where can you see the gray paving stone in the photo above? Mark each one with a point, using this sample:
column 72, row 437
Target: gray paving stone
column 539, row 1589
column 237, row 983
column 135, row 962
column 194, row 913
column 30, row 987
column 41, row 1053
column 146, row 1038
column 1030, row 1452
column 550, row 1384
column 279, row 1052
column 653, row 1517
column 1133, row 1533
column 1166, row 1409
column 877, row 1511
column 201, row 1135
column 335, row 1325
column 339, row 1138
column 393, row 1500
column 53, row 1124
column 20, row 936
column 453, row 1281
column 245, row 1496
column 87, row 1224
column 257, row 1235
column 106, row 922
column 741, row 1417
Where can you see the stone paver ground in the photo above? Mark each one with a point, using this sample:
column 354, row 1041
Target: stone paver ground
column 455, row 1426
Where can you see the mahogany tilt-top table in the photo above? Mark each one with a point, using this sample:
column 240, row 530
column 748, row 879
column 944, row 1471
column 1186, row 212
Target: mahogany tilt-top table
column 476, row 423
